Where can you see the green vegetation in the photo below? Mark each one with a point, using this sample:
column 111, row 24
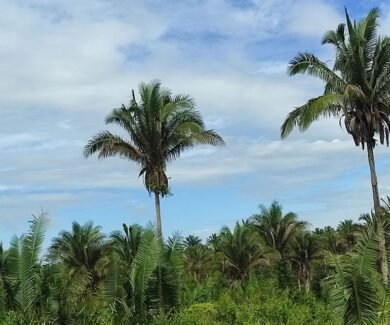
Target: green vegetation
column 236, row 276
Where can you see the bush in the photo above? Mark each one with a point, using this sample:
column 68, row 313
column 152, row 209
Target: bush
column 276, row 307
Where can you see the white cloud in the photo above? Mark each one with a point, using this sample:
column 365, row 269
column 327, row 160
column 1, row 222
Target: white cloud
column 313, row 18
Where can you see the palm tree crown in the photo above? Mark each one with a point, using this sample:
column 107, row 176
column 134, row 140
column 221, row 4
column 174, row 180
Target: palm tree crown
column 356, row 89
column 80, row 250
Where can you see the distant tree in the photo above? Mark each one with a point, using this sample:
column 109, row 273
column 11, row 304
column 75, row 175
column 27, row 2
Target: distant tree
column 305, row 250
column 329, row 240
column 242, row 251
column 192, row 241
column 276, row 229
column 198, row 261
column 81, row 250
column 125, row 243
column 348, row 232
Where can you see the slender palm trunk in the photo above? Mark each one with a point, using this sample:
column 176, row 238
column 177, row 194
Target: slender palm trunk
column 307, row 285
column 159, row 234
column 374, row 181
column 158, row 214
column 377, row 209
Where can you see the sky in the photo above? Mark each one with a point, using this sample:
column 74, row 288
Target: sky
column 66, row 63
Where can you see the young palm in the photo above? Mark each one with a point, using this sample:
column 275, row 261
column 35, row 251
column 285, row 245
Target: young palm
column 192, row 241
column 160, row 127
column 81, row 250
column 329, row 240
column 277, row 230
column 125, row 244
column 305, row 250
column 242, row 251
column 349, row 233
column 356, row 90
column 198, row 261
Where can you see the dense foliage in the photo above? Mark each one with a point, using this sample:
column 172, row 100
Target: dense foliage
column 236, row 276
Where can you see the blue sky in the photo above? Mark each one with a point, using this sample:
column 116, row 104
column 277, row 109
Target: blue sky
column 66, row 64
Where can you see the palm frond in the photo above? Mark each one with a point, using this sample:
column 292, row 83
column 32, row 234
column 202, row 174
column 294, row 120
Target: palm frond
column 308, row 63
column 109, row 145
column 23, row 258
column 145, row 263
column 303, row 116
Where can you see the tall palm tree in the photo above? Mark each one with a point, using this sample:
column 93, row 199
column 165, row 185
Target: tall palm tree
column 356, row 90
column 277, row 230
column 160, row 127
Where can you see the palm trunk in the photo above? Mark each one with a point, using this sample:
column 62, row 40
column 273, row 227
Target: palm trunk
column 307, row 284
column 159, row 234
column 158, row 214
column 377, row 209
column 374, row 181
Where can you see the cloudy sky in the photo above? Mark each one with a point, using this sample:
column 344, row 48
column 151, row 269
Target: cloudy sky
column 65, row 64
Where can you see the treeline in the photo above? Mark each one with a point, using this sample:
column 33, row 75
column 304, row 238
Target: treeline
column 268, row 269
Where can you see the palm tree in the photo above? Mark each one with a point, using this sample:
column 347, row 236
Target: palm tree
column 192, row 241
column 276, row 229
column 242, row 251
column 126, row 243
column 81, row 250
column 356, row 90
column 348, row 232
column 305, row 250
column 198, row 261
column 160, row 127
column 212, row 241
column 328, row 239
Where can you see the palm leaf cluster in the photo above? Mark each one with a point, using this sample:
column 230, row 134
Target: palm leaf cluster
column 160, row 127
